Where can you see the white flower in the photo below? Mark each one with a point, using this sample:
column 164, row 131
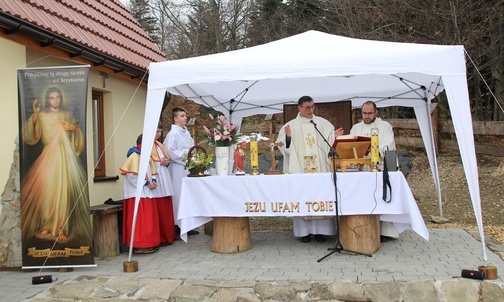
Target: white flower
column 217, row 137
column 246, row 138
column 260, row 137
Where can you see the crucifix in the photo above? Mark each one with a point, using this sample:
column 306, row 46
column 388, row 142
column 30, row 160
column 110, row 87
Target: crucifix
column 273, row 170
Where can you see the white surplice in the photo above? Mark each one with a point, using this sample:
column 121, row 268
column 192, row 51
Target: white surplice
column 385, row 134
column 177, row 143
column 165, row 185
column 308, row 152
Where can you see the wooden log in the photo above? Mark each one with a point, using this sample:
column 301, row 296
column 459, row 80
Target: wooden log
column 231, row 235
column 360, row 233
column 209, row 228
column 130, row 267
column 490, row 272
column 105, row 235
column 105, row 230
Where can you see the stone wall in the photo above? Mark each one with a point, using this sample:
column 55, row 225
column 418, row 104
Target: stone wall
column 10, row 217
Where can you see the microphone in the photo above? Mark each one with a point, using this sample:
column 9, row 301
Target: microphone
column 332, row 151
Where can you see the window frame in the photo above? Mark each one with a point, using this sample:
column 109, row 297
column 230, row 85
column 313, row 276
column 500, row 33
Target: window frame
column 98, row 135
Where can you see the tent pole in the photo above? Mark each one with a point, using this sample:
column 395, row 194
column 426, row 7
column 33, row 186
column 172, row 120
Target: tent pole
column 231, row 153
column 435, row 171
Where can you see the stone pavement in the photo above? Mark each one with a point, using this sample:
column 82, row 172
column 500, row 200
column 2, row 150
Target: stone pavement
column 279, row 268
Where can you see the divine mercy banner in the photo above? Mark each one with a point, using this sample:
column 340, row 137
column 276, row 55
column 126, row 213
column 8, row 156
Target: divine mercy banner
column 55, row 219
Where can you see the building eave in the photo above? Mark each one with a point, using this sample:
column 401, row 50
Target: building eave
column 15, row 26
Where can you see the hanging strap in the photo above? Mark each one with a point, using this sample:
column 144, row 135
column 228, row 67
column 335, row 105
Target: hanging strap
column 386, row 181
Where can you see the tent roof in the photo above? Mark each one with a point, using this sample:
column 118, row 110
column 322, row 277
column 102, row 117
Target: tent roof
column 327, row 67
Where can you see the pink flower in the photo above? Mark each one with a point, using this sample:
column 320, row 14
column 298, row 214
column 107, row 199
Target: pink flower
column 224, row 133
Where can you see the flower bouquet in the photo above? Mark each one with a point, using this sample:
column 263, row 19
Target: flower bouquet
column 197, row 161
column 224, row 134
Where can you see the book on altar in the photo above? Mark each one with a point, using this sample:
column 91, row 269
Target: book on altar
column 351, row 138
column 352, row 146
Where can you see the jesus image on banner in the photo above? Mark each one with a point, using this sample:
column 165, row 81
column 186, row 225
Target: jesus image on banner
column 56, row 182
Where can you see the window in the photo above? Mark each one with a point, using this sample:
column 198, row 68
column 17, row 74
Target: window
column 98, row 135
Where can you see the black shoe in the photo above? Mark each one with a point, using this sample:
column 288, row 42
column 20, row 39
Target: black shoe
column 192, row 232
column 152, row 250
column 386, row 238
column 163, row 244
column 306, row 238
column 320, row 238
column 146, row 250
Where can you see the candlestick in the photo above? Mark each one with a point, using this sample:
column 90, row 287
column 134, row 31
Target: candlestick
column 254, row 155
column 375, row 150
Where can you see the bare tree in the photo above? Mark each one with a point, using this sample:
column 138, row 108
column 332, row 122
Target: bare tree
column 199, row 27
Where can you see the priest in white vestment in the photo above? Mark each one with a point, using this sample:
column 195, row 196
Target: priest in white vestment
column 370, row 121
column 305, row 151
column 386, row 140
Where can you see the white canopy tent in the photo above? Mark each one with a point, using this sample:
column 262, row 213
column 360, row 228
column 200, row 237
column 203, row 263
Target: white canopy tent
column 261, row 79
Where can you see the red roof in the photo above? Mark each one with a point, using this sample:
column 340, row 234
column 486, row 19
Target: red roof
column 104, row 26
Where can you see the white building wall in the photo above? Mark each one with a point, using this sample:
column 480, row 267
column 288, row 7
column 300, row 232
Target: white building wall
column 12, row 56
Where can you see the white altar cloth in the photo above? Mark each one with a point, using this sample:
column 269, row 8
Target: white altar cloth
column 309, row 194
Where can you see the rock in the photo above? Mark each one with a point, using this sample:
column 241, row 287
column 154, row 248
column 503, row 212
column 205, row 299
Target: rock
column 439, row 219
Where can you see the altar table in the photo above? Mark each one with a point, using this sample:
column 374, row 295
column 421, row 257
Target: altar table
column 306, row 194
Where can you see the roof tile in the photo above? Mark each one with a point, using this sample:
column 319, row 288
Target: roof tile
column 103, row 25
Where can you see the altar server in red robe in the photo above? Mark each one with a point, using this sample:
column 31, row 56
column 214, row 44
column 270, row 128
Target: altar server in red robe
column 164, row 191
column 147, row 230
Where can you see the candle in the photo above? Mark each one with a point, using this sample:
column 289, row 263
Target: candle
column 254, row 154
column 375, row 149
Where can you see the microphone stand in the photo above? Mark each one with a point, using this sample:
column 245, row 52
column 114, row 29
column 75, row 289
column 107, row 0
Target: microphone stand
column 339, row 246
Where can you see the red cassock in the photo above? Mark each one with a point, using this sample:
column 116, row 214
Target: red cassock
column 147, row 231
column 166, row 222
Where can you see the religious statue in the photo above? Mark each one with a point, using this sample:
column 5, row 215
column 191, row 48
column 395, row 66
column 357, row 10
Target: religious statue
column 238, row 158
column 273, row 169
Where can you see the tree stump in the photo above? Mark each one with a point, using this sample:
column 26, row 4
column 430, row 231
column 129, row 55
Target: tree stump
column 209, row 228
column 105, row 230
column 360, row 233
column 231, row 235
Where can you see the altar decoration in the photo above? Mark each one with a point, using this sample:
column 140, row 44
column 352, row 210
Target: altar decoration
column 238, row 158
column 222, row 136
column 253, row 139
column 222, row 160
column 375, row 150
column 197, row 161
column 273, row 170
column 254, row 154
